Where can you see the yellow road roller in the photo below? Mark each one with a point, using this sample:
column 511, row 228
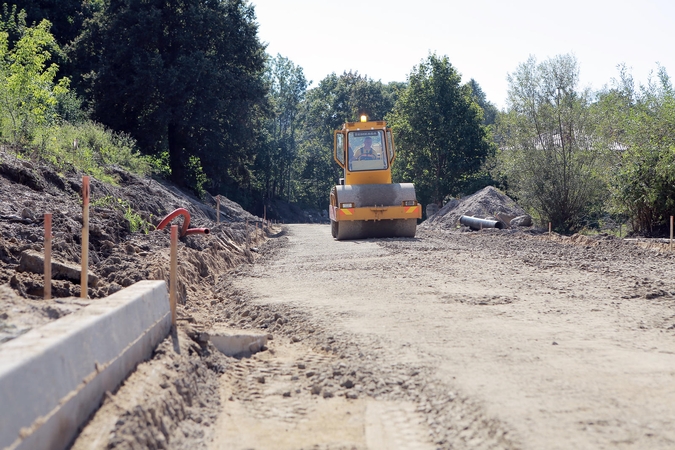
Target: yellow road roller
column 366, row 204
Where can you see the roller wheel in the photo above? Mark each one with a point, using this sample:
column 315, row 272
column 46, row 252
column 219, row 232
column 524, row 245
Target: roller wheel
column 398, row 228
column 334, row 226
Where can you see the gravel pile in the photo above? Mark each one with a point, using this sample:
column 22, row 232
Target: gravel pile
column 489, row 202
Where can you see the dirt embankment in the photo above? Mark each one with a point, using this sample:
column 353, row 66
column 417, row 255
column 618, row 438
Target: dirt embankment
column 169, row 398
column 118, row 257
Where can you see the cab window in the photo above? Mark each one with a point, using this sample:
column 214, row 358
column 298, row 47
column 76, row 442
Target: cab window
column 366, row 150
column 340, row 147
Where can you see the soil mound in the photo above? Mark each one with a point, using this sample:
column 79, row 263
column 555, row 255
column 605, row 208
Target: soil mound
column 124, row 246
column 488, row 202
column 172, row 396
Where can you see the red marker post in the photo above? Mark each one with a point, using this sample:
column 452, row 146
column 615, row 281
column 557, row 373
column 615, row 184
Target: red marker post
column 48, row 256
column 85, row 237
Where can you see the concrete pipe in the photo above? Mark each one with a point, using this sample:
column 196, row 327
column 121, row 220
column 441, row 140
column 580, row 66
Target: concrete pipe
column 476, row 223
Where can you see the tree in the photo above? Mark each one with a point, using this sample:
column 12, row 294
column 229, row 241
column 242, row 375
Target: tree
column 66, row 16
column 29, row 90
column 638, row 125
column 276, row 160
column 549, row 154
column 183, row 77
column 489, row 109
column 438, row 130
column 336, row 100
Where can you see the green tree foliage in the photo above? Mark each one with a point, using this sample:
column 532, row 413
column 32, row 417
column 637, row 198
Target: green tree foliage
column 29, row 90
column 490, row 111
column 276, row 162
column 549, row 154
column 336, row 100
column 183, row 77
column 36, row 109
column 12, row 22
column 438, row 129
column 638, row 124
column 66, row 16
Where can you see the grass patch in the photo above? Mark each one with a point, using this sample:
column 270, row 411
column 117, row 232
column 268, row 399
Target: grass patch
column 90, row 148
column 136, row 222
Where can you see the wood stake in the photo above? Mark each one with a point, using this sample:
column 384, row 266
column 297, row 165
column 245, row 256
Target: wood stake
column 84, row 282
column 671, row 233
column 248, row 245
column 173, row 275
column 218, row 209
column 48, row 256
column 549, row 228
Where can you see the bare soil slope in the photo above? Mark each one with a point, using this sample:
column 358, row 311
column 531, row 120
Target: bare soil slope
column 118, row 257
column 172, row 396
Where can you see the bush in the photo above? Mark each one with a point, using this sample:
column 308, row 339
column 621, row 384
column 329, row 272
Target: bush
column 641, row 126
column 29, row 90
column 548, row 155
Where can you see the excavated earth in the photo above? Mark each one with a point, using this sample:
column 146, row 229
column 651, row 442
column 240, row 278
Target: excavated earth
column 500, row 339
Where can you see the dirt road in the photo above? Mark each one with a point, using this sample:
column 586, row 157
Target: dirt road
column 456, row 340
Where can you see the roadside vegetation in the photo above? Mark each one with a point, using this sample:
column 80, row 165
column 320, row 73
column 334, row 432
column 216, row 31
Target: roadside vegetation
column 582, row 159
column 185, row 90
column 41, row 118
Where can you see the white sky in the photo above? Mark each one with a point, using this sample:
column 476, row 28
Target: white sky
column 484, row 39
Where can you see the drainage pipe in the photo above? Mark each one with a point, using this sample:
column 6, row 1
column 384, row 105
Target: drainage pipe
column 476, row 223
column 186, row 223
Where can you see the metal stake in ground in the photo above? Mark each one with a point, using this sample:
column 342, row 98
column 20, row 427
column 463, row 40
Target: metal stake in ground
column 671, row 233
column 173, row 275
column 85, row 237
column 48, row 256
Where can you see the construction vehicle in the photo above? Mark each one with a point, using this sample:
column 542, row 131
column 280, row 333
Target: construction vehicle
column 366, row 204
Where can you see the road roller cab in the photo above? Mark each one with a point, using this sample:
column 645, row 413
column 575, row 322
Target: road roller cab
column 366, row 203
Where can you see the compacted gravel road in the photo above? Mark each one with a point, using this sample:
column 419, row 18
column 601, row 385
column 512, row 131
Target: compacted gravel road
column 492, row 339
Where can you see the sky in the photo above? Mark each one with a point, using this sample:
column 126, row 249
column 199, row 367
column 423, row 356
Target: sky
column 483, row 39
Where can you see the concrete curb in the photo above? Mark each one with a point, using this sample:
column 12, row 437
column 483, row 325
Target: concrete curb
column 53, row 377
